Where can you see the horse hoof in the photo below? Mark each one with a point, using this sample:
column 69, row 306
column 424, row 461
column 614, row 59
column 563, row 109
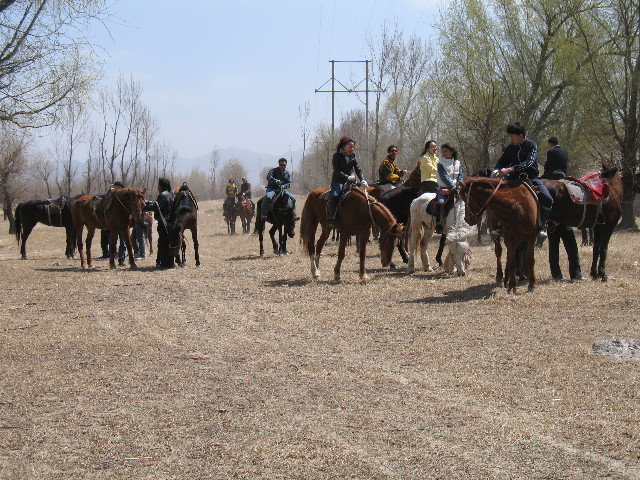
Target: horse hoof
column 364, row 278
column 392, row 266
column 531, row 290
column 24, row 257
column 133, row 266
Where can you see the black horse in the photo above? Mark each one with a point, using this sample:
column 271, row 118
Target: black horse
column 283, row 218
column 55, row 213
column 185, row 217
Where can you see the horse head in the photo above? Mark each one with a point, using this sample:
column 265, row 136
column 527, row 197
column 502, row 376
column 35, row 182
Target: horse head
column 388, row 242
column 134, row 201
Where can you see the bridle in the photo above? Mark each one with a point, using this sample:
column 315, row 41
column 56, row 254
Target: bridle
column 470, row 201
column 131, row 212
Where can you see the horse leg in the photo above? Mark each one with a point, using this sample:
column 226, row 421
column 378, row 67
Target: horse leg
column 531, row 261
column 362, row 243
column 603, row 246
column 283, row 241
column 113, row 248
column 497, row 248
column 443, row 240
column 260, row 228
column 90, row 233
column 510, row 269
column 194, row 237
column 126, row 234
column 79, row 245
column 414, row 236
column 424, row 254
column 314, row 253
column 341, row 254
column 597, row 239
column 274, row 244
column 26, row 231
column 70, row 241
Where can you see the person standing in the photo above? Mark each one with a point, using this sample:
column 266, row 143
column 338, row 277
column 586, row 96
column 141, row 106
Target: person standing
column 556, row 166
column 276, row 178
column 429, row 167
column 345, row 169
column 520, row 159
column 163, row 217
column 388, row 171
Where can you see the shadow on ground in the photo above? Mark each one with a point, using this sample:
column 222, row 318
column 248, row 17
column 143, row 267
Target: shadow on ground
column 478, row 292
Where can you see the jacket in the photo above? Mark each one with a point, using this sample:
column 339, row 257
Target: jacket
column 522, row 158
column 388, row 171
column 450, row 173
column 275, row 175
column 429, row 168
column 165, row 206
column 557, row 159
column 232, row 189
column 343, row 166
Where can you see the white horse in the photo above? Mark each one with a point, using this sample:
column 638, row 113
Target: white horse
column 422, row 227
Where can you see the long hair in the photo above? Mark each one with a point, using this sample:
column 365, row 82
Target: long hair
column 426, row 147
column 344, row 141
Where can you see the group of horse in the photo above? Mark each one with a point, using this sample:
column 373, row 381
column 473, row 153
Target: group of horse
column 402, row 214
column 114, row 212
column 238, row 206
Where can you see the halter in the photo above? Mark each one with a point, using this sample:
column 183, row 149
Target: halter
column 125, row 207
column 495, row 190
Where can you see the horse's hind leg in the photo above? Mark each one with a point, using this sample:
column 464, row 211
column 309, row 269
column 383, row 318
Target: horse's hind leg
column 194, row 237
column 90, row 233
column 126, row 235
column 604, row 235
column 260, row 228
column 597, row 239
column 341, row 250
column 26, row 231
column 272, row 234
column 362, row 244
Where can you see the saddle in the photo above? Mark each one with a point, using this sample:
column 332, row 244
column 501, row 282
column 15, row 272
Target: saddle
column 446, row 206
column 54, row 210
column 592, row 189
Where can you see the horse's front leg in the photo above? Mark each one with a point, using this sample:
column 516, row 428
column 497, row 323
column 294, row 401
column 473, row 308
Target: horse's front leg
column 510, row 269
column 283, row 241
column 597, row 239
column 126, row 234
column 341, row 254
column 79, row 245
column 90, row 233
column 362, row 245
column 260, row 227
column 113, row 248
column 314, row 253
column 424, row 254
column 274, row 244
column 414, row 236
column 497, row 248
column 194, row 237
column 531, row 260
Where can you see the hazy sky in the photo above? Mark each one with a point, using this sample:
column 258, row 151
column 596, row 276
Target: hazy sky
column 234, row 73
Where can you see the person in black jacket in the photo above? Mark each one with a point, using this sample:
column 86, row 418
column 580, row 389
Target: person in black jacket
column 163, row 217
column 556, row 166
column 345, row 168
column 557, row 159
column 520, row 159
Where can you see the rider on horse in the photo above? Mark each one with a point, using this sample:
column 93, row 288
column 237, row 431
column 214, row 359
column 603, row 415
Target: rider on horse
column 231, row 191
column 245, row 189
column 520, row 160
column 388, row 170
column 277, row 178
column 450, row 175
column 343, row 162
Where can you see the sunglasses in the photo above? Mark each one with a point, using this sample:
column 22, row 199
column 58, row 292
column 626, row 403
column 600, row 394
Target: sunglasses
column 393, row 151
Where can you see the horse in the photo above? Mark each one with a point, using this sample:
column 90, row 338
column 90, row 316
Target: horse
column 358, row 213
column 112, row 212
column 54, row 213
column 185, row 217
column 422, row 227
column 517, row 207
column 246, row 213
column 283, row 218
column 231, row 211
column 566, row 212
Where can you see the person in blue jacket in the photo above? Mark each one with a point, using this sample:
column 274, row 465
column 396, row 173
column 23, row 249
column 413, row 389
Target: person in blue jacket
column 276, row 178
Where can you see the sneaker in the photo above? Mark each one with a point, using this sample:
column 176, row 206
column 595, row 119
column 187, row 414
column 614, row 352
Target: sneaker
column 439, row 229
column 497, row 232
column 579, row 278
column 138, row 258
column 542, row 233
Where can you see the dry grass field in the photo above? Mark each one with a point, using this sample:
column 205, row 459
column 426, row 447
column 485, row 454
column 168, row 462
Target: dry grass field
column 246, row 368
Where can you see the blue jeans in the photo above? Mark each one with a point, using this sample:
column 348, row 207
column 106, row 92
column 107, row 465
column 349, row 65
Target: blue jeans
column 544, row 197
column 336, row 189
column 137, row 240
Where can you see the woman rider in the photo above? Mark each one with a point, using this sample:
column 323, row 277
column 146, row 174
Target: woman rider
column 429, row 167
column 450, row 175
column 344, row 163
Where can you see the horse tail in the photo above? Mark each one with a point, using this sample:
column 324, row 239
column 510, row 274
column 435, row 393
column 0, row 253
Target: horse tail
column 309, row 224
column 18, row 223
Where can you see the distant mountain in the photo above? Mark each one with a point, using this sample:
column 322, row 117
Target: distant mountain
column 254, row 162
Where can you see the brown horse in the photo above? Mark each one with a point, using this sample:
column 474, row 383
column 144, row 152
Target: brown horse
column 358, row 214
column 112, row 212
column 517, row 208
column 185, row 217
column 565, row 212
column 246, row 213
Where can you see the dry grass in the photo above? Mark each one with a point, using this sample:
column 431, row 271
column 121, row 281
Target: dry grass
column 246, row 368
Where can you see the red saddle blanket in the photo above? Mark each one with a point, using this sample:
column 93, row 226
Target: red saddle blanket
column 591, row 188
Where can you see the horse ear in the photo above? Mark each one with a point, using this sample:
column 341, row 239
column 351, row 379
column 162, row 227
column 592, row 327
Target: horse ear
column 144, row 191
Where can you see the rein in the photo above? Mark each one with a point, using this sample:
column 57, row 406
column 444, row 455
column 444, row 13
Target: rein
column 495, row 190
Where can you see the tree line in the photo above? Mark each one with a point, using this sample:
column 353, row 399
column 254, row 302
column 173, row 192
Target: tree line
column 569, row 69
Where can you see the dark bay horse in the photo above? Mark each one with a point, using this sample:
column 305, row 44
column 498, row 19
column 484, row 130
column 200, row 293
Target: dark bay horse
column 566, row 212
column 517, row 208
column 231, row 212
column 246, row 213
column 55, row 213
column 185, row 217
column 112, row 212
column 282, row 217
column 358, row 213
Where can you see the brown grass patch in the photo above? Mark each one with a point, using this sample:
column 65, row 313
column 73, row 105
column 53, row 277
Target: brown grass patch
column 246, row 368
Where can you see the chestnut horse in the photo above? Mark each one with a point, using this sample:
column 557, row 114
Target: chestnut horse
column 93, row 211
column 185, row 217
column 357, row 215
column 246, row 213
column 517, row 207
column 565, row 212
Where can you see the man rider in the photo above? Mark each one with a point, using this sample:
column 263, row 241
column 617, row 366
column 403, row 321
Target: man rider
column 388, row 170
column 520, row 159
column 245, row 189
column 276, row 178
column 163, row 218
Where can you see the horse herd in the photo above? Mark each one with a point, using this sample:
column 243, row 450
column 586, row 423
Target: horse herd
column 400, row 217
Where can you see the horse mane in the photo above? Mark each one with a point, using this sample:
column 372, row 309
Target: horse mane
column 375, row 203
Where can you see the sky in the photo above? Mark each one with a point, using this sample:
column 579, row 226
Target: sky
column 234, row 73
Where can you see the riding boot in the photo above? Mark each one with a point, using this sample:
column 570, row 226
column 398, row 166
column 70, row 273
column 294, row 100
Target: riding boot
column 544, row 218
column 438, row 221
column 332, row 205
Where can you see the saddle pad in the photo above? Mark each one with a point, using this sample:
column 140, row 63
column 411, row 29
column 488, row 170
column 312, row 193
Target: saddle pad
column 579, row 194
column 431, row 207
column 597, row 187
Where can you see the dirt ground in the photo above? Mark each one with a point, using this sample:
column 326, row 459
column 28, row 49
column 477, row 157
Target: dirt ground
column 247, row 368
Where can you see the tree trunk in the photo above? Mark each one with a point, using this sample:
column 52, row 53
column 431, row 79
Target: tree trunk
column 8, row 214
column 628, row 218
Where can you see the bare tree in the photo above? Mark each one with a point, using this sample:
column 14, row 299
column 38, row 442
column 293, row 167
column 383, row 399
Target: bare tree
column 232, row 168
column 44, row 169
column 70, row 133
column 43, row 56
column 214, row 162
column 13, row 164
